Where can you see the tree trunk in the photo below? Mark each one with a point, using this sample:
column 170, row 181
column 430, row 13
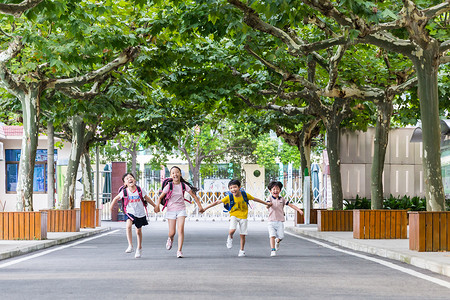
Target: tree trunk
column 87, row 176
column 133, row 153
column 78, row 129
column 333, row 131
column 427, row 67
column 384, row 113
column 50, row 166
column 29, row 102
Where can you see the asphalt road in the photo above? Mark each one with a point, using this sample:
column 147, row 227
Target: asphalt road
column 98, row 268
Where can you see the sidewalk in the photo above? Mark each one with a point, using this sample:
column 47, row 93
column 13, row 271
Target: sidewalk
column 12, row 248
column 396, row 249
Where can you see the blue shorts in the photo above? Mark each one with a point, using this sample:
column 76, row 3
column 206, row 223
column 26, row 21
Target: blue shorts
column 138, row 222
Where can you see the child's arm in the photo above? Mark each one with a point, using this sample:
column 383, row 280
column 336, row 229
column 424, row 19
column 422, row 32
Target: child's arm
column 149, row 200
column 295, row 208
column 114, row 201
column 269, row 204
column 197, row 200
column 158, row 202
column 212, row 204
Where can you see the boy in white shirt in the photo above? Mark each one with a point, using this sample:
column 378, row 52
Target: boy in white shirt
column 276, row 215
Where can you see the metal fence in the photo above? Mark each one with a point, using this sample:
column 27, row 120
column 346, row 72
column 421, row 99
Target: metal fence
column 256, row 211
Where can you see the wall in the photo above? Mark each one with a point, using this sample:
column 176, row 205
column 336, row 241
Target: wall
column 39, row 200
column 402, row 174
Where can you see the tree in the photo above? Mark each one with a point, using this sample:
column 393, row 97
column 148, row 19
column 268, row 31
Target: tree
column 23, row 74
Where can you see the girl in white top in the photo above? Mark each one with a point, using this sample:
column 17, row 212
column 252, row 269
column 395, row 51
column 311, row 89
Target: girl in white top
column 276, row 215
column 176, row 207
column 135, row 211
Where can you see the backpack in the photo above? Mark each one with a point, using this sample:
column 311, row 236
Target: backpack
column 125, row 199
column 169, row 181
column 229, row 206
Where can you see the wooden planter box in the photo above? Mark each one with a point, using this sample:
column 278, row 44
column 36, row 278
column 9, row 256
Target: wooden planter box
column 429, row 231
column 380, row 224
column 300, row 219
column 88, row 213
column 63, row 220
column 335, row 220
column 27, row 225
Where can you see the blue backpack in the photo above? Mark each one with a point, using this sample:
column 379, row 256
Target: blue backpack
column 229, row 206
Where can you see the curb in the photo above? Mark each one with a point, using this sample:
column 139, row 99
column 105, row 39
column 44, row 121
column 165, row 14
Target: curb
column 443, row 269
column 20, row 250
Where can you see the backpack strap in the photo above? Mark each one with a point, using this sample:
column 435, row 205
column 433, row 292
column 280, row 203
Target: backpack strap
column 125, row 202
column 142, row 199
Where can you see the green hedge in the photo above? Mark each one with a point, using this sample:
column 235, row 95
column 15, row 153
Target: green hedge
column 405, row 202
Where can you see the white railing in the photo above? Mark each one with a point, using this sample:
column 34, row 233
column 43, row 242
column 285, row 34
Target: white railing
column 256, row 211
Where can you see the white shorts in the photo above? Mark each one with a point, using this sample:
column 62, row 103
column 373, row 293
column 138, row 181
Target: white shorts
column 276, row 229
column 242, row 225
column 173, row 215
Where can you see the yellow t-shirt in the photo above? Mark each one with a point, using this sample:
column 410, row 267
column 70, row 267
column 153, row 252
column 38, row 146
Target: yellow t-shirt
column 240, row 207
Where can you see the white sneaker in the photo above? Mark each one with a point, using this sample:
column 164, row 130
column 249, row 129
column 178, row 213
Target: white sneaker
column 180, row 254
column 241, row 253
column 138, row 253
column 229, row 242
column 277, row 244
column 273, row 253
column 129, row 249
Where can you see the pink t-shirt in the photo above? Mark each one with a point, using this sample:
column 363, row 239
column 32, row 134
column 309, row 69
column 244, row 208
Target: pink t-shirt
column 176, row 201
column 276, row 211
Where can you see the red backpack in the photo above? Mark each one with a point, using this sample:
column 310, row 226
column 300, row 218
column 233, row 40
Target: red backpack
column 125, row 199
column 169, row 181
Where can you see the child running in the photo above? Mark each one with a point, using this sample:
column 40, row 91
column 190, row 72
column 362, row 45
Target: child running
column 176, row 207
column 238, row 202
column 276, row 215
column 135, row 210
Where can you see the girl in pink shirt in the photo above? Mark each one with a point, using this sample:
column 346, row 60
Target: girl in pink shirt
column 176, row 207
column 276, row 215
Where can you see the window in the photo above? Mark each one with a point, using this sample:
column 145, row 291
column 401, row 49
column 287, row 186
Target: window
column 40, row 170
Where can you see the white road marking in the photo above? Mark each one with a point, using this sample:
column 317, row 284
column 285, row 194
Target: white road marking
column 379, row 261
column 53, row 249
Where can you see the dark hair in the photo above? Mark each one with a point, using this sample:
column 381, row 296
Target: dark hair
column 272, row 184
column 126, row 174
column 234, row 182
column 193, row 188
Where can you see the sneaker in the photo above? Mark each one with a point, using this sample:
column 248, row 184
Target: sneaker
column 169, row 244
column 273, row 253
column 180, row 254
column 138, row 253
column 229, row 242
column 277, row 244
column 129, row 249
column 241, row 253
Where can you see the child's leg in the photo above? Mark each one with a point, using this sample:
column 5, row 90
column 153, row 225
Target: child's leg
column 139, row 237
column 231, row 232
column 180, row 229
column 242, row 242
column 172, row 227
column 243, row 223
column 233, row 226
column 272, row 242
column 129, row 232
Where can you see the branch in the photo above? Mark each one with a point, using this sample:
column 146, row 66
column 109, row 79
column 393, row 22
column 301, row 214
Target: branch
column 16, row 10
column 76, row 93
column 334, row 62
column 288, row 109
column 286, row 75
column 437, row 10
column 7, row 80
column 125, row 57
column 445, row 46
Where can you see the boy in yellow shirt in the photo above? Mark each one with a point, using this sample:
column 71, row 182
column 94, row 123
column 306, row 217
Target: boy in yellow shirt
column 237, row 204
